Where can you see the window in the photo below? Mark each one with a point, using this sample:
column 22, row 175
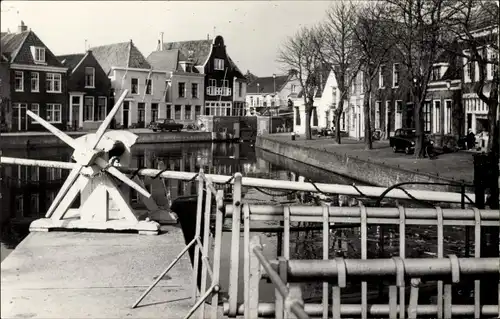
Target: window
column 436, row 73
column 212, row 82
column 225, row 83
column 492, row 67
column 34, row 206
column 54, row 174
column 218, row 64
column 447, row 117
column 88, row 109
column 19, row 204
column 38, row 54
column 194, row 90
column 436, row 119
column 89, row 77
column 134, row 85
column 102, row 102
column 154, row 111
column 378, row 106
column 53, row 81
column 177, row 112
column 427, row 116
column 35, row 82
column 182, row 89
column 398, row 119
column 381, row 72
column 53, row 113
column 149, row 86
column 141, row 113
column 395, row 75
column 297, row 116
column 35, row 108
column 197, row 111
column 19, row 81
column 169, row 112
column 240, row 89
column 187, row 112
column 294, row 88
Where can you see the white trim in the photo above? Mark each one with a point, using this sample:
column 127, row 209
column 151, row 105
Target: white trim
column 22, row 81
column 85, row 98
column 210, row 54
column 31, row 82
column 441, row 64
column 55, row 76
column 38, row 68
column 85, row 77
column 81, row 61
column 447, row 126
column 436, row 117
column 105, row 107
column 32, row 121
column 435, row 83
column 60, row 112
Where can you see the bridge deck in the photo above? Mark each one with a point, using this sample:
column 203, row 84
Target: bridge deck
column 95, row 275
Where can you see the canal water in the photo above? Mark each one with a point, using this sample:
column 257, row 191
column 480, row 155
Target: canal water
column 28, row 191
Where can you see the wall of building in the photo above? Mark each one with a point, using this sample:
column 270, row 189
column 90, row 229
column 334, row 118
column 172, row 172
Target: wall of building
column 42, row 98
column 185, row 116
column 121, row 79
column 5, row 103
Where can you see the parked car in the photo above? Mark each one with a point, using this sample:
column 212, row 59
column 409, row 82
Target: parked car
column 165, row 125
column 405, row 139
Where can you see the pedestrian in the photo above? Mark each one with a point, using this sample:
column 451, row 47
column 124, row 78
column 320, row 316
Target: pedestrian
column 471, row 139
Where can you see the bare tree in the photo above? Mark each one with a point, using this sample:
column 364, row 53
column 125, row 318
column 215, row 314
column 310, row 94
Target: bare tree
column 299, row 53
column 337, row 49
column 372, row 47
column 416, row 33
column 475, row 27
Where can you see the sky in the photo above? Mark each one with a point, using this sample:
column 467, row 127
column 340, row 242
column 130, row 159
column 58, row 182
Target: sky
column 252, row 30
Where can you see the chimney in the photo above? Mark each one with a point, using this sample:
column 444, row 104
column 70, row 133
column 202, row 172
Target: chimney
column 22, row 27
column 161, row 43
column 158, row 46
column 208, row 36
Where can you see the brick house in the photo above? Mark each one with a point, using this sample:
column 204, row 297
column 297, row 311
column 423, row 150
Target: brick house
column 127, row 68
column 224, row 84
column 184, row 85
column 37, row 81
column 89, row 90
column 5, row 106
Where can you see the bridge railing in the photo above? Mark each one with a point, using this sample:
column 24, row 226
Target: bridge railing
column 338, row 272
column 361, row 217
column 202, row 244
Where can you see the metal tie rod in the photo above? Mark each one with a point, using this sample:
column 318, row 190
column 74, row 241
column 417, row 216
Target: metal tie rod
column 371, row 191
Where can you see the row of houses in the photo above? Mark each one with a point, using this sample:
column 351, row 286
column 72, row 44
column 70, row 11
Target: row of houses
column 179, row 80
column 451, row 106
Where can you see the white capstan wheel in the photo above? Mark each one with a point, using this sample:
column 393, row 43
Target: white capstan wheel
column 98, row 190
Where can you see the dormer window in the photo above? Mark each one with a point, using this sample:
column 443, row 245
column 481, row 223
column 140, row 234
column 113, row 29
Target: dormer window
column 218, row 64
column 38, row 54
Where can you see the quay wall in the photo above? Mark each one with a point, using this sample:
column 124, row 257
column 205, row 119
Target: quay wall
column 24, row 140
column 371, row 172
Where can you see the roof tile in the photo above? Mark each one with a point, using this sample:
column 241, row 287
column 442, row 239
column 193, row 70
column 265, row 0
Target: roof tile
column 123, row 55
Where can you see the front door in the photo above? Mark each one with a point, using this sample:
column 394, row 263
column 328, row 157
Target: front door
column 19, row 117
column 141, row 115
column 126, row 108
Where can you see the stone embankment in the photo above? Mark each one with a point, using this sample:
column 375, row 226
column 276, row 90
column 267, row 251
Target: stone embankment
column 45, row 139
column 379, row 166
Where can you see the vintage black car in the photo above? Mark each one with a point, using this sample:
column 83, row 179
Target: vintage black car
column 405, row 139
column 165, row 125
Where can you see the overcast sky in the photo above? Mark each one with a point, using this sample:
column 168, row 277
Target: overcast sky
column 252, row 30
